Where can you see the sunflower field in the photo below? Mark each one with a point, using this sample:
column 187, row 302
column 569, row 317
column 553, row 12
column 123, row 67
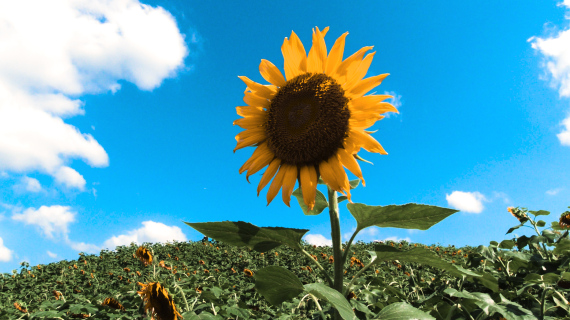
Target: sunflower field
column 518, row 278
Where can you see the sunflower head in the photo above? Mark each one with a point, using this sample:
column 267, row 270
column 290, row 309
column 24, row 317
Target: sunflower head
column 310, row 123
column 158, row 301
column 113, row 303
column 143, row 254
column 565, row 220
column 248, row 273
column 17, row 306
column 518, row 213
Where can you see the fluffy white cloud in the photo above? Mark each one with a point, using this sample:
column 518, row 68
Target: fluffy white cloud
column 65, row 48
column 51, row 254
column 150, row 232
column 564, row 136
column 28, row 184
column 395, row 239
column 5, row 253
column 396, row 101
column 51, row 220
column 466, row 201
column 318, row 240
column 70, row 178
column 556, row 52
column 82, row 246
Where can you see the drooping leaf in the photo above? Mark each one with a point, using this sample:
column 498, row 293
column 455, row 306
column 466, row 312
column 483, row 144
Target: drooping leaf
column 507, row 244
column 540, row 223
column 402, row 311
column 320, row 202
column 241, row 234
column 540, row 213
column 277, row 284
column 420, row 255
column 334, row 297
column 515, row 228
column 408, row 216
column 562, row 247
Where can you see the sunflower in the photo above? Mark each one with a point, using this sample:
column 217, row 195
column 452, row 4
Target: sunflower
column 113, row 303
column 158, row 301
column 311, row 122
column 144, row 255
column 518, row 213
column 565, row 220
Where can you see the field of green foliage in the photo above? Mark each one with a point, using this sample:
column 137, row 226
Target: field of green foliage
column 519, row 278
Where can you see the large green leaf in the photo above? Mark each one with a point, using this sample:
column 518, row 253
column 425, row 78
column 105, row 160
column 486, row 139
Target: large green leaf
column 320, row 202
column 277, row 284
column 402, row 311
column 241, row 234
column 540, row 213
column 335, row 298
column 408, row 216
column 419, row 255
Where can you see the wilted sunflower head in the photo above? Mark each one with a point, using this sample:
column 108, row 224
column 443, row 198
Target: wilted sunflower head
column 565, row 220
column 518, row 213
column 311, row 122
column 143, row 254
column 158, row 301
column 248, row 273
column 113, row 303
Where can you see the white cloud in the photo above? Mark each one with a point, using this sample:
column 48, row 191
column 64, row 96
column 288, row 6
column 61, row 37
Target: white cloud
column 5, row 253
column 466, row 201
column 564, row 136
column 51, row 254
column 553, row 192
column 61, row 50
column 28, row 184
column 70, row 178
column 318, row 240
column 396, row 239
column 150, row 232
column 82, row 246
column 51, row 220
column 396, row 101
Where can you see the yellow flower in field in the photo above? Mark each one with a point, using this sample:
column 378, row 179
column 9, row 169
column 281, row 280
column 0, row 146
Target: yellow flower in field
column 158, row 301
column 113, row 303
column 143, row 254
column 17, row 306
column 565, row 220
column 248, row 273
column 311, row 122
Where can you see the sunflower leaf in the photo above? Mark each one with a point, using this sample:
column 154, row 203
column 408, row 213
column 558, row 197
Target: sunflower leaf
column 402, row 311
column 242, row 234
column 335, row 298
column 423, row 256
column 277, row 284
column 408, row 216
column 320, row 203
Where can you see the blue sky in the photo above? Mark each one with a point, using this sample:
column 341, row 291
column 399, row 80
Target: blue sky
column 116, row 120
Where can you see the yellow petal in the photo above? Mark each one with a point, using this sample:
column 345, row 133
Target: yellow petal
column 309, row 185
column 258, row 88
column 246, row 111
column 250, row 122
column 335, row 56
column 365, row 85
column 276, row 184
column 289, row 180
column 294, row 56
column 271, row 73
column 351, row 164
column 254, row 100
column 359, row 73
column 366, row 101
column 363, row 120
column 318, row 53
column 268, row 174
column 263, row 159
column 250, row 132
column 366, row 141
column 328, row 176
column 340, row 175
column 258, row 138
column 258, row 151
column 349, row 65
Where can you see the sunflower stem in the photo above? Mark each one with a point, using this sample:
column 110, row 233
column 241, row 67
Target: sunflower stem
column 336, row 240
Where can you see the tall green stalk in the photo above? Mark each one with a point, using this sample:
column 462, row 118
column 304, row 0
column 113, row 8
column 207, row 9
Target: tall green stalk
column 337, row 244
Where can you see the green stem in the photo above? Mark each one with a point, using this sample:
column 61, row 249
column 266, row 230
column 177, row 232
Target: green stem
column 543, row 303
column 347, row 247
column 330, row 281
column 336, row 239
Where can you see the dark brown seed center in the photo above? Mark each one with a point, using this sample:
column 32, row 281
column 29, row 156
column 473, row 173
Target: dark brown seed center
column 307, row 120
